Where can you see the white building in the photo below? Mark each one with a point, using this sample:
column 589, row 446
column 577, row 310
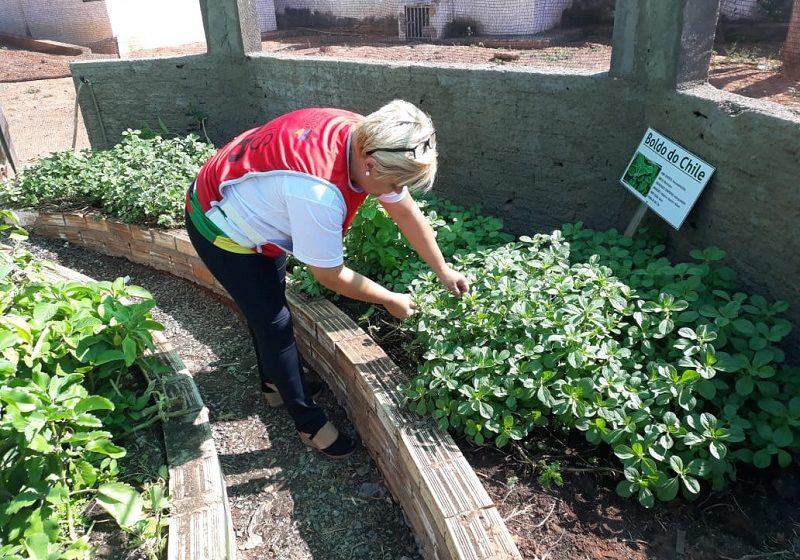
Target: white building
column 124, row 25
column 105, row 25
column 491, row 17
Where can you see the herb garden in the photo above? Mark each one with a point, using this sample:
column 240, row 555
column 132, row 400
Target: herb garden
column 75, row 387
column 668, row 369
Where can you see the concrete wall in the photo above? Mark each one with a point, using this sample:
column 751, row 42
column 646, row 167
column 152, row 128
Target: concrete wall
column 266, row 15
column 12, row 18
column 536, row 148
column 513, row 17
column 752, row 204
column 509, row 17
column 357, row 9
column 174, row 91
column 546, row 150
column 513, row 155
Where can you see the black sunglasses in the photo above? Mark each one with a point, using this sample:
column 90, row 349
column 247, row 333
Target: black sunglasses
column 416, row 151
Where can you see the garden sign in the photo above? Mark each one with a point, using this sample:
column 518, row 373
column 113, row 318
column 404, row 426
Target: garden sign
column 666, row 177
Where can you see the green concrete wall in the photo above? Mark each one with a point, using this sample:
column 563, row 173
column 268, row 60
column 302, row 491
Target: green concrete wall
column 538, row 149
column 174, row 92
column 751, row 206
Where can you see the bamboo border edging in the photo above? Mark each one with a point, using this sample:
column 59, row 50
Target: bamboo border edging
column 449, row 511
column 200, row 525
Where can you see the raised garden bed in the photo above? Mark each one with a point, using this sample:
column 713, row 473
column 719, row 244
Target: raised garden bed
column 675, row 378
column 445, row 503
column 583, row 516
column 200, row 521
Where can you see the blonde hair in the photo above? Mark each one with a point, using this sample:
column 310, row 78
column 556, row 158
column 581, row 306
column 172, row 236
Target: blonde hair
column 398, row 125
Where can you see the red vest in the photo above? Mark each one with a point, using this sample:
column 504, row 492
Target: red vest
column 311, row 141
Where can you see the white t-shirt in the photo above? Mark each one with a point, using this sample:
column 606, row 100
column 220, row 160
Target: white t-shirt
column 299, row 213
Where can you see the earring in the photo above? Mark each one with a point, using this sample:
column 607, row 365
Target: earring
column 366, row 172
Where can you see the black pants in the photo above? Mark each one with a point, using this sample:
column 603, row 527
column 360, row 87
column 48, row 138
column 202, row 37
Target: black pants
column 258, row 286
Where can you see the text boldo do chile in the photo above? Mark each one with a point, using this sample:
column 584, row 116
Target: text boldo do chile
column 687, row 164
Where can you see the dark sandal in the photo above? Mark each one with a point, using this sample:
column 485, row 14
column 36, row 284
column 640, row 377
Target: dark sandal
column 273, row 398
column 329, row 442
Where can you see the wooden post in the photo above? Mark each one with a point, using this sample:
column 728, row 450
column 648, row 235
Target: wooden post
column 7, row 153
column 638, row 216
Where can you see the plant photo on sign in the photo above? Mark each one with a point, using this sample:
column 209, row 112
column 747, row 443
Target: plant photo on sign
column 641, row 174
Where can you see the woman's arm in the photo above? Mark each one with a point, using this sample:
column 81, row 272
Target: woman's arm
column 349, row 283
column 415, row 227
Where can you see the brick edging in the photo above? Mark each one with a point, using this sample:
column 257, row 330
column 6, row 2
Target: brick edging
column 200, row 524
column 452, row 516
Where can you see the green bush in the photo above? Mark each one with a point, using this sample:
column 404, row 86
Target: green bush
column 138, row 181
column 67, row 353
column 667, row 364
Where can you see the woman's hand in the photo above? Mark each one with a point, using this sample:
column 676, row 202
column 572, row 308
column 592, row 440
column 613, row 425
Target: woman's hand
column 455, row 282
column 400, row 306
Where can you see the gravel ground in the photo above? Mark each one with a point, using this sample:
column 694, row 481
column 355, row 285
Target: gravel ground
column 287, row 501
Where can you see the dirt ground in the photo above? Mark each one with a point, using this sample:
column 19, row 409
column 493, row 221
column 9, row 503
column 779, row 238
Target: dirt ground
column 757, row 517
column 40, row 117
column 287, row 501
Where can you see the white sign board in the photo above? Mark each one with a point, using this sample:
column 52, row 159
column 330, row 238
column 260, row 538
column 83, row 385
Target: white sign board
column 667, row 177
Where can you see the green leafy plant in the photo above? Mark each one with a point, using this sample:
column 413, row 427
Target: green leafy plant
column 678, row 373
column 549, row 474
column 68, row 354
column 140, row 180
column 375, row 247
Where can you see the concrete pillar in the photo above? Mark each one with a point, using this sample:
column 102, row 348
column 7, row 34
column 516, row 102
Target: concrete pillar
column 663, row 43
column 697, row 40
column 231, row 26
column 791, row 48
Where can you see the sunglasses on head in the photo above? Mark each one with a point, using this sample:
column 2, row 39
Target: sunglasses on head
column 416, row 151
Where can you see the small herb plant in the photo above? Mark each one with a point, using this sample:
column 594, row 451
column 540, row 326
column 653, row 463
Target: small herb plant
column 669, row 365
column 140, row 180
column 549, row 474
column 68, row 355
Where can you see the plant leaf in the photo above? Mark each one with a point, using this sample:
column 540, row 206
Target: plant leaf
column 130, row 350
column 122, row 502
